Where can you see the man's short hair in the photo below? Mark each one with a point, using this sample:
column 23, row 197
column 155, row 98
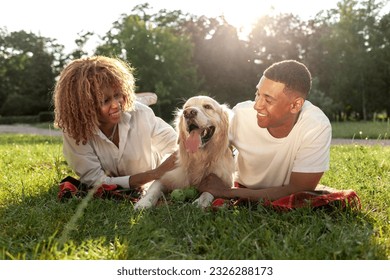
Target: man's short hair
column 293, row 74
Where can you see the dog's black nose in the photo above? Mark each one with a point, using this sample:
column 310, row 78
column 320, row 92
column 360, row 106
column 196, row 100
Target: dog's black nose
column 190, row 113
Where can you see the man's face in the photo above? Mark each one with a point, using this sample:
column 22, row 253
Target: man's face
column 274, row 107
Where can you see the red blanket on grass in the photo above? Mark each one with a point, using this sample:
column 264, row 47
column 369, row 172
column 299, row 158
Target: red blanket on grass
column 73, row 188
column 321, row 197
column 316, row 199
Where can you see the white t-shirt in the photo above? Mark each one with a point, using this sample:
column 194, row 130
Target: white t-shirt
column 144, row 142
column 264, row 161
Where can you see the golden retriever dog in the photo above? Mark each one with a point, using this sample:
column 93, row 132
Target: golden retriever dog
column 202, row 126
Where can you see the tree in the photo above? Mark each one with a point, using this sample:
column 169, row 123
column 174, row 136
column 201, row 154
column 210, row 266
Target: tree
column 320, row 99
column 80, row 42
column 28, row 67
column 275, row 38
column 380, row 85
column 223, row 60
column 161, row 56
column 343, row 49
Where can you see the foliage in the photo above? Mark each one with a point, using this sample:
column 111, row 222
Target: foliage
column 320, row 99
column 161, row 57
column 279, row 37
column 224, row 61
column 35, row 225
column 19, row 119
column 27, row 72
column 179, row 55
column 343, row 55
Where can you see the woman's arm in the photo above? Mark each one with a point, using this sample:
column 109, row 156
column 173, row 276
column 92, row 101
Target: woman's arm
column 137, row 180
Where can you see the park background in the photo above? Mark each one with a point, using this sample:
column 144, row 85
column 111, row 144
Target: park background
column 178, row 54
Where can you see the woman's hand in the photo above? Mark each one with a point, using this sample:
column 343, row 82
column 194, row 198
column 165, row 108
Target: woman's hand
column 168, row 165
column 138, row 180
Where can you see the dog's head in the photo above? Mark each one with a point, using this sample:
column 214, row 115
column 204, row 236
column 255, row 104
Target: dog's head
column 202, row 122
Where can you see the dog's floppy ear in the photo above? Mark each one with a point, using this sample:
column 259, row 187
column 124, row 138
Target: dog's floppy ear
column 179, row 122
column 226, row 114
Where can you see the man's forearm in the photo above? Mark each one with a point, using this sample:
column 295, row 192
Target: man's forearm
column 257, row 194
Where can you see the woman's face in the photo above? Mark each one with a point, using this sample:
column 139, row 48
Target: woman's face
column 111, row 108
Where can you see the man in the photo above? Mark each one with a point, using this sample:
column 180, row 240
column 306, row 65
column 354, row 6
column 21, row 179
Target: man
column 282, row 140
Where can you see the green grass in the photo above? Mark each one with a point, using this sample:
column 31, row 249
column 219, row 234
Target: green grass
column 361, row 130
column 34, row 225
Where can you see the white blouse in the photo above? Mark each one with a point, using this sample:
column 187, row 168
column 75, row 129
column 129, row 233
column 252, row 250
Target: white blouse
column 144, row 142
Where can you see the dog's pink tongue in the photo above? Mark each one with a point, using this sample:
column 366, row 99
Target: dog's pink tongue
column 193, row 141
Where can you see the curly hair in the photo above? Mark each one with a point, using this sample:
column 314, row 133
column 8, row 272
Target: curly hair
column 293, row 74
column 78, row 94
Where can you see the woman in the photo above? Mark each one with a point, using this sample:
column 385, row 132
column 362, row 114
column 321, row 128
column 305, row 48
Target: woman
column 109, row 137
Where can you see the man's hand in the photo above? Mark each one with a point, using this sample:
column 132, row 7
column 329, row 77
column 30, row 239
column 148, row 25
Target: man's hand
column 214, row 185
column 298, row 182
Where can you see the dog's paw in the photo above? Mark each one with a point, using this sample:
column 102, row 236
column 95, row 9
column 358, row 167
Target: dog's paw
column 143, row 203
column 204, row 200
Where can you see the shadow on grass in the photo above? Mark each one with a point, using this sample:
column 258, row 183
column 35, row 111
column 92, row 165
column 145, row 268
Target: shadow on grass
column 108, row 229
column 32, row 224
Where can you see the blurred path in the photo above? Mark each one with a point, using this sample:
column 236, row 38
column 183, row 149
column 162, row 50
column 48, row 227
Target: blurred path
column 27, row 129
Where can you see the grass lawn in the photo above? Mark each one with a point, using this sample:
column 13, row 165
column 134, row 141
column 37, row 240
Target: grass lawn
column 362, row 130
column 35, row 225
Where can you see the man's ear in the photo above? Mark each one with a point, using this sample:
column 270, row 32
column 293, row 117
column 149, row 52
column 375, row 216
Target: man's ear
column 297, row 104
